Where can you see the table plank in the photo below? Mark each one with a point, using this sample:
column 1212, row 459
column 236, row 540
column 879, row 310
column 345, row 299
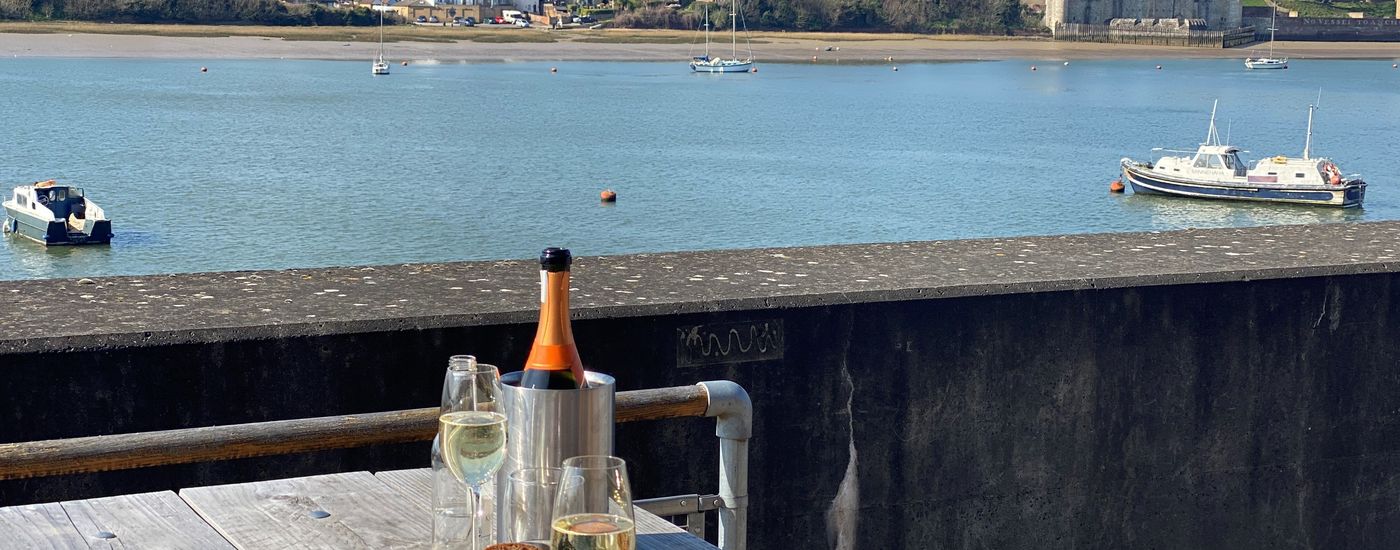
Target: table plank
column 416, row 484
column 38, row 526
column 653, row 533
column 146, row 520
column 363, row 513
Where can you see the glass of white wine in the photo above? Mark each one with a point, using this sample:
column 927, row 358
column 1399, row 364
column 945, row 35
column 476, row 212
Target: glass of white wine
column 593, row 510
column 472, row 435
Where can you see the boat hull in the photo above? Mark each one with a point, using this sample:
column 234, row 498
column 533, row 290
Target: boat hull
column 727, row 68
column 56, row 233
column 1248, row 64
column 1349, row 195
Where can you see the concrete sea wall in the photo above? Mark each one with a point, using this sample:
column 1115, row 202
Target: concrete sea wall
column 1227, row 388
column 1328, row 29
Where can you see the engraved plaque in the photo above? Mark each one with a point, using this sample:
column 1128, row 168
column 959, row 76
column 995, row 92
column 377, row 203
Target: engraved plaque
column 726, row 343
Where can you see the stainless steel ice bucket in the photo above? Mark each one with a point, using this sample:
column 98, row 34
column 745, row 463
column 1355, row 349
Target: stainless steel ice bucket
column 547, row 426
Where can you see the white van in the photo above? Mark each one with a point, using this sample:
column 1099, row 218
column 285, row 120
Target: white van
column 512, row 16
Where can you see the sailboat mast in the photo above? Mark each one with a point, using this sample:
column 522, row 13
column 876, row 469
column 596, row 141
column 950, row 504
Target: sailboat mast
column 707, row 32
column 381, row 35
column 734, row 29
column 1307, row 143
column 1273, row 27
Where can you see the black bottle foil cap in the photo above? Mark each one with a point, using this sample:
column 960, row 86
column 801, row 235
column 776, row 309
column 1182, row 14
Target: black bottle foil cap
column 555, row 259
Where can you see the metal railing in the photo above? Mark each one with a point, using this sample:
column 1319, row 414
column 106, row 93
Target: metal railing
column 724, row 401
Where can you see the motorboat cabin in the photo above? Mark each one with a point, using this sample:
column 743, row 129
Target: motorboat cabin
column 54, row 214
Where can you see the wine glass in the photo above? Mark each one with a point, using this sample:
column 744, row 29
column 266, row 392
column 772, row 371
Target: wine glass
column 472, row 434
column 593, row 510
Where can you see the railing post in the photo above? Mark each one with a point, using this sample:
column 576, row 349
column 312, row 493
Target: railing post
column 730, row 406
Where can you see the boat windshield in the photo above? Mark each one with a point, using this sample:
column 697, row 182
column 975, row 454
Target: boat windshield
column 1207, row 161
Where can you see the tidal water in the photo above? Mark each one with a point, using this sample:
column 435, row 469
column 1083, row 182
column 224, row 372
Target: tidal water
column 262, row 164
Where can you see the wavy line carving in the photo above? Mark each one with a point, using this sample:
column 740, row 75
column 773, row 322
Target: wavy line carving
column 731, row 343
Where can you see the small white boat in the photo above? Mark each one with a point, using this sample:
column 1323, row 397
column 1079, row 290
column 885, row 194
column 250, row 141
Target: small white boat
column 53, row 214
column 732, row 64
column 1215, row 171
column 380, row 67
column 1269, row 62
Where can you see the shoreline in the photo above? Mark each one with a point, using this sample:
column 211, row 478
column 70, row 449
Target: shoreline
column 499, row 45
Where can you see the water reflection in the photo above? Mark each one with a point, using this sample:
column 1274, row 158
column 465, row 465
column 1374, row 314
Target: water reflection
column 1179, row 213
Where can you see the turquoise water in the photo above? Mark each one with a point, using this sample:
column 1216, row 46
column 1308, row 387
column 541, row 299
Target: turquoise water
column 272, row 164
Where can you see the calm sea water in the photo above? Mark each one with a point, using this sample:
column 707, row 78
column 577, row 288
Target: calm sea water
column 275, row 164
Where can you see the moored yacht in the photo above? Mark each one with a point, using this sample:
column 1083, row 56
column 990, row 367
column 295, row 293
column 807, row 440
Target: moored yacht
column 53, row 214
column 1215, row 171
column 731, row 64
column 1269, row 62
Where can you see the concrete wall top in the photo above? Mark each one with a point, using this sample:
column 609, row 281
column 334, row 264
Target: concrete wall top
column 113, row 312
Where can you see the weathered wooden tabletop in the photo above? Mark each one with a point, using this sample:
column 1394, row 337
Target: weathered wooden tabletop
column 352, row 510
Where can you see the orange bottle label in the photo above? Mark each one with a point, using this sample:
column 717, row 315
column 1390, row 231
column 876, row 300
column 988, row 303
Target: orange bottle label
column 552, row 357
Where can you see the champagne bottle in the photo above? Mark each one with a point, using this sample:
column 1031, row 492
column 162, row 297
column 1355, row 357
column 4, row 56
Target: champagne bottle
column 554, row 363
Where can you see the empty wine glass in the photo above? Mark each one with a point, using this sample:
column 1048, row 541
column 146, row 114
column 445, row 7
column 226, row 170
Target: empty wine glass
column 530, row 498
column 472, row 434
column 593, row 510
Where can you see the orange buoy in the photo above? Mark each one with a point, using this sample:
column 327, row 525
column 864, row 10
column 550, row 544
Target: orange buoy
column 204, row 69
column 608, row 195
column 1116, row 186
column 554, row 69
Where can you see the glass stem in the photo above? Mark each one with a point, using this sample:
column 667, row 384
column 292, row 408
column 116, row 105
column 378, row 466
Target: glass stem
column 476, row 517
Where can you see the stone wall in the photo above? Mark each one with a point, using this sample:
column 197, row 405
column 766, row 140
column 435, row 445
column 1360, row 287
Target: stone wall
column 1218, row 14
column 1228, row 388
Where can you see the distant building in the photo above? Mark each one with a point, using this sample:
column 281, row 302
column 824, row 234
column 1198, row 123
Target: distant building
column 1217, row 14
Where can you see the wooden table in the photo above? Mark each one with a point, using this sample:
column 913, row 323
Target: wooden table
column 352, row 510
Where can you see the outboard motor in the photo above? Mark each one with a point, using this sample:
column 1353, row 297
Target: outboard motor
column 78, row 209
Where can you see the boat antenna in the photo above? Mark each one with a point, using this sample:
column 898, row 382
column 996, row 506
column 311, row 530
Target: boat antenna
column 1229, row 125
column 1307, row 143
column 1212, row 136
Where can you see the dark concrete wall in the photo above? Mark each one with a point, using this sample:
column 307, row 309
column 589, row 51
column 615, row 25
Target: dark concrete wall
column 1196, row 389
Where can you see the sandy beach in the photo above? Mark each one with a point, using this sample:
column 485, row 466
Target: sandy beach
column 601, row 45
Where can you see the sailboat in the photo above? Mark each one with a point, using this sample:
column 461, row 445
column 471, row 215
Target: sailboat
column 380, row 67
column 732, row 64
column 1269, row 62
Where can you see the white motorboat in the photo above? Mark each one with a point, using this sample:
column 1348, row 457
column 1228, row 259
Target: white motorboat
column 1215, row 171
column 53, row 214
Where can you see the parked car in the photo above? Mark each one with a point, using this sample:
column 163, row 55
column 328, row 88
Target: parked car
column 585, row 19
column 433, row 19
column 470, row 20
column 522, row 23
column 422, row 19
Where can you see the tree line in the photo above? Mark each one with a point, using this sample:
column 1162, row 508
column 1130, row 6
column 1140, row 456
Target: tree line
column 262, row 12
column 916, row 16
